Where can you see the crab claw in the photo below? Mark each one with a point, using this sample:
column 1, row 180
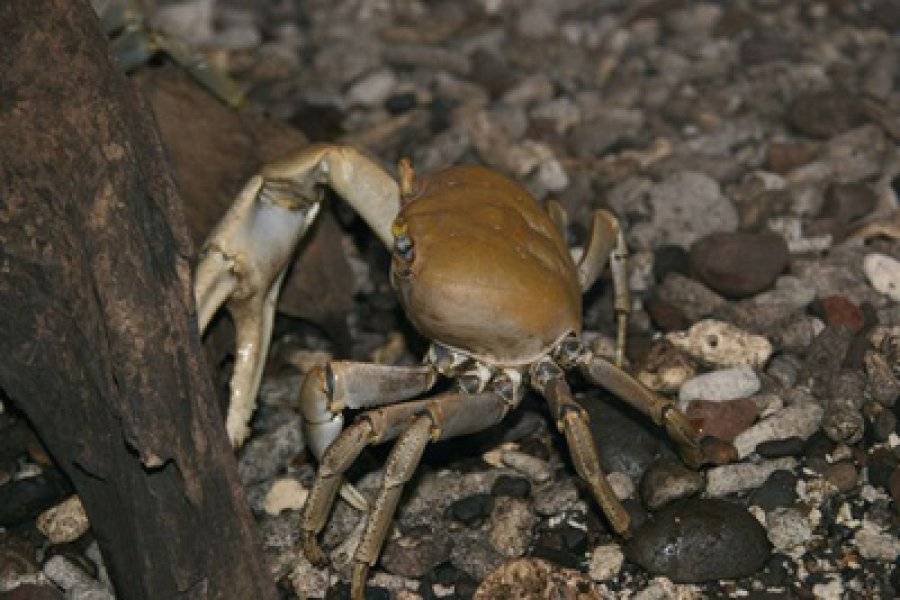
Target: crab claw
column 242, row 265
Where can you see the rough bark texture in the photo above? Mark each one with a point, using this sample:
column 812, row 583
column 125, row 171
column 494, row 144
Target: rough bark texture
column 97, row 330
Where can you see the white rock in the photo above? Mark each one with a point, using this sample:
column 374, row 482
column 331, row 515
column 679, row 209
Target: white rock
column 286, row 493
column 833, row 590
column 875, row 544
column 606, row 562
column 719, row 386
column 308, row 581
column 621, row 484
column 65, row 522
column 729, row 479
column 793, row 421
column 788, row 528
column 721, row 344
column 66, row 574
column 373, row 89
column 884, row 274
column 510, row 528
column 536, row 469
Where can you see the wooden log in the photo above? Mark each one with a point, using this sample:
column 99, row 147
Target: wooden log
column 98, row 342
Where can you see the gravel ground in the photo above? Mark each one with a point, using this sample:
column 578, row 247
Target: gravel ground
column 744, row 146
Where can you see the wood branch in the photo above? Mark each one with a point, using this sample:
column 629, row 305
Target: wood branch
column 97, row 327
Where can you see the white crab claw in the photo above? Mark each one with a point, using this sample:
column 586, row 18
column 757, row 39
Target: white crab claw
column 242, row 266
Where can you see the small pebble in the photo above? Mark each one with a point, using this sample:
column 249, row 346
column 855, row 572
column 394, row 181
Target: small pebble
column 739, row 264
column 730, row 479
column 606, row 562
column 666, row 481
column 842, row 475
column 790, row 422
column 884, row 274
column 286, row 493
column 512, row 487
column 788, row 528
column 875, row 544
column 65, row 522
column 719, row 386
column 373, row 89
column 536, row 469
column 779, row 490
column 621, row 485
column 723, row 420
column 510, row 526
column 472, row 509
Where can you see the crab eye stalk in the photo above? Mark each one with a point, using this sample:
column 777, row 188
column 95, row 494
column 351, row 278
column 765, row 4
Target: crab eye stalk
column 403, row 247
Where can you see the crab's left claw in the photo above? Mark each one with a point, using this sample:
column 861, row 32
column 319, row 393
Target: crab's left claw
column 242, row 265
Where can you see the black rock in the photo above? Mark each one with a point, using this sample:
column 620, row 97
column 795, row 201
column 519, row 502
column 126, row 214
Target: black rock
column 776, row 448
column 670, row 259
column 700, row 540
column 400, row 103
column 472, row 509
column 826, row 113
column 512, row 487
column 779, row 490
column 26, row 498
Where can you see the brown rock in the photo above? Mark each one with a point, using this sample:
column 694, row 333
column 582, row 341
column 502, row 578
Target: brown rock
column 787, row 156
column 214, row 150
column 536, row 579
column 826, row 114
column 838, row 310
column 724, row 420
column 665, row 315
column 739, row 264
column 842, row 475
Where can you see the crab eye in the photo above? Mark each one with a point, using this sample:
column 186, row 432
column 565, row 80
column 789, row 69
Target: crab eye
column 403, row 246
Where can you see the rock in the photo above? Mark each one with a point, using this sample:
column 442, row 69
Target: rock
column 67, row 575
column 626, row 442
column 28, row 591
column 65, row 522
column 730, row 479
column 665, row 316
column 621, row 485
column 883, row 384
column 739, row 264
column 875, row 544
column 509, row 531
column 856, row 155
column 473, row 555
column 792, row 446
column 842, row 475
column 472, row 509
column 884, row 274
column 698, row 540
column 536, row 469
column 266, row 455
column 723, row 420
column 373, row 89
column 668, row 258
column 555, row 497
column 843, row 424
column 684, row 207
column 779, row 490
column 693, row 299
column 23, row 499
column 308, row 581
column 666, row 481
column 839, row 311
column 721, row 344
column 826, row 113
column 790, row 422
column 788, row 528
column 535, row 578
column 286, row 493
column 719, row 386
column 511, row 487
column 416, row 553
column 606, row 562
column 666, row 368
column 787, row 156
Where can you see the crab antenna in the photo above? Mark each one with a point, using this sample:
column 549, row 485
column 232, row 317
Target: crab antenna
column 407, row 180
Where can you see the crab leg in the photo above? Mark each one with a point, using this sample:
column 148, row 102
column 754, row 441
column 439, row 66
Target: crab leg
column 660, row 409
column 573, row 421
column 344, row 384
column 606, row 242
column 244, row 259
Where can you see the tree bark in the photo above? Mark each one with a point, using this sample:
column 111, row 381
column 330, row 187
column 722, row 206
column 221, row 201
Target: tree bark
column 97, row 326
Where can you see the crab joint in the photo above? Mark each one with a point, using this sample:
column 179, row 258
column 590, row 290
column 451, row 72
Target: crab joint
column 407, row 180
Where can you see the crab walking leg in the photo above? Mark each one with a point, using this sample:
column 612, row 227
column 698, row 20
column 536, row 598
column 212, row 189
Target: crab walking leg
column 573, row 422
column 242, row 265
column 660, row 409
column 372, row 427
column 344, row 384
column 448, row 415
column 606, row 242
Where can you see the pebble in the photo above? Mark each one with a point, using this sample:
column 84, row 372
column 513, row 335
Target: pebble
column 23, row 499
column 621, row 485
column 780, row 489
column 692, row 299
column 373, row 89
column 536, row 469
column 730, row 479
column 536, row 578
column 416, row 553
column 876, row 544
column 723, row 420
column 826, row 113
column 264, row 456
column 697, row 540
column 786, row 156
column 842, row 475
column 719, row 386
column 884, row 274
column 65, row 522
column 555, row 498
column 286, row 493
column 511, row 487
column 685, row 206
column 839, row 311
column 666, row 481
column 666, row 368
column 472, row 509
column 883, row 384
column 721, row 344
column 510, row 526
column 472, row 554
column 606, row 562
column 788, row 528
column 308, row 581
column 739, row 264
column 790, row 422
column 77, row 584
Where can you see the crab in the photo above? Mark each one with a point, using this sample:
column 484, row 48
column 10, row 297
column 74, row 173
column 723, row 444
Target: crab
column 481, row 269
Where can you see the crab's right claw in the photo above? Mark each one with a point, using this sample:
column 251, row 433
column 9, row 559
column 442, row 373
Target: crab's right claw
column 242, row 265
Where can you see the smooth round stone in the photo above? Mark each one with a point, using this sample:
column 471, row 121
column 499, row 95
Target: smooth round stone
column 700, row 540
column 739, row 264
